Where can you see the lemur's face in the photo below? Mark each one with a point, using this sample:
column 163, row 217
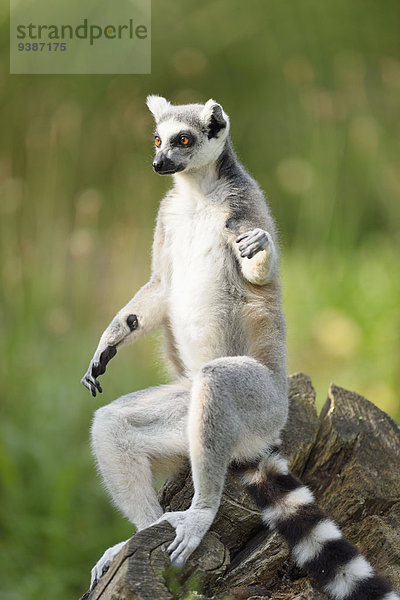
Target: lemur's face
column 187, row 137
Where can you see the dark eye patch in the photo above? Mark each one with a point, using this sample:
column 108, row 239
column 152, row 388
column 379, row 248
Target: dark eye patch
column 175, row 141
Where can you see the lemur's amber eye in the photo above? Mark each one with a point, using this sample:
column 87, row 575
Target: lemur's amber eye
column 184, row 140
column 157, row 141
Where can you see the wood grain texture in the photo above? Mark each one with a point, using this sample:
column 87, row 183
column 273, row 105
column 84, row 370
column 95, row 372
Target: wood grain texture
column 349, row 456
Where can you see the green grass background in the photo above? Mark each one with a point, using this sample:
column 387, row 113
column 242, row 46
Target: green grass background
column 313, row 91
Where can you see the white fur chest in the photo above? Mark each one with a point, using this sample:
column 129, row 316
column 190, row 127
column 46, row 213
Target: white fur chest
column 195, row 238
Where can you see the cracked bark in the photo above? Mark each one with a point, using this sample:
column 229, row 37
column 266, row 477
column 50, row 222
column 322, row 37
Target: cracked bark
column 349, row 456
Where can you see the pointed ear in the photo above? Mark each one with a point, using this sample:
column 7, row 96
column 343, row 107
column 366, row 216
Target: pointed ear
column 157, row 105
column 215, row 118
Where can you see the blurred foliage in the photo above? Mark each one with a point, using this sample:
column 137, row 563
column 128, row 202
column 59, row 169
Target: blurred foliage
column 313, row 91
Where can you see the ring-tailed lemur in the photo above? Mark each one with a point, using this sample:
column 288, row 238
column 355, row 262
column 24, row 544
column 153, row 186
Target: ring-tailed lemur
column 215, row 289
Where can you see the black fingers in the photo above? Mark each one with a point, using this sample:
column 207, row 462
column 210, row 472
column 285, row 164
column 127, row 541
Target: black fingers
column 241, row 237
column 250, row 250
column 98, row 368
column 132, row 322
column 91, row 384
column 252, row 242
column 98, row 386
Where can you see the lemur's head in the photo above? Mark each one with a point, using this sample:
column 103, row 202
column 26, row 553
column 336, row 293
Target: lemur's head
column 188, row 136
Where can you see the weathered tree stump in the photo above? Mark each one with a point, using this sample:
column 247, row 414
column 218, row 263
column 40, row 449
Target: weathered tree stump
column 349, row 456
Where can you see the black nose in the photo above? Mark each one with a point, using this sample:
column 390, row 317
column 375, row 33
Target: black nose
column 158, row 164
column 163, row 165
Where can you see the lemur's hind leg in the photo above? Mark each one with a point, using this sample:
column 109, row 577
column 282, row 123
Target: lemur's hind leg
column 237, row 408
column 129, row 438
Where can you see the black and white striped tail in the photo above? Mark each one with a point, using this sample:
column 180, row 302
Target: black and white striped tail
column 316, row 543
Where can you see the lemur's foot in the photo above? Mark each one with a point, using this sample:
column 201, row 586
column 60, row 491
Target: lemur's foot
column 191, row 526
column 252, row 242
column 104, row 563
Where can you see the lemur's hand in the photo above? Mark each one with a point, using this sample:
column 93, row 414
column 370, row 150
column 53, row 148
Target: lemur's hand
column 100, row 360
column 96, row 368
column 252, row 242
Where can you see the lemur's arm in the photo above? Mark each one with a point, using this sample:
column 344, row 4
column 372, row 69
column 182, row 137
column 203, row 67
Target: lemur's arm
column 143, row 313
column 257, row 255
